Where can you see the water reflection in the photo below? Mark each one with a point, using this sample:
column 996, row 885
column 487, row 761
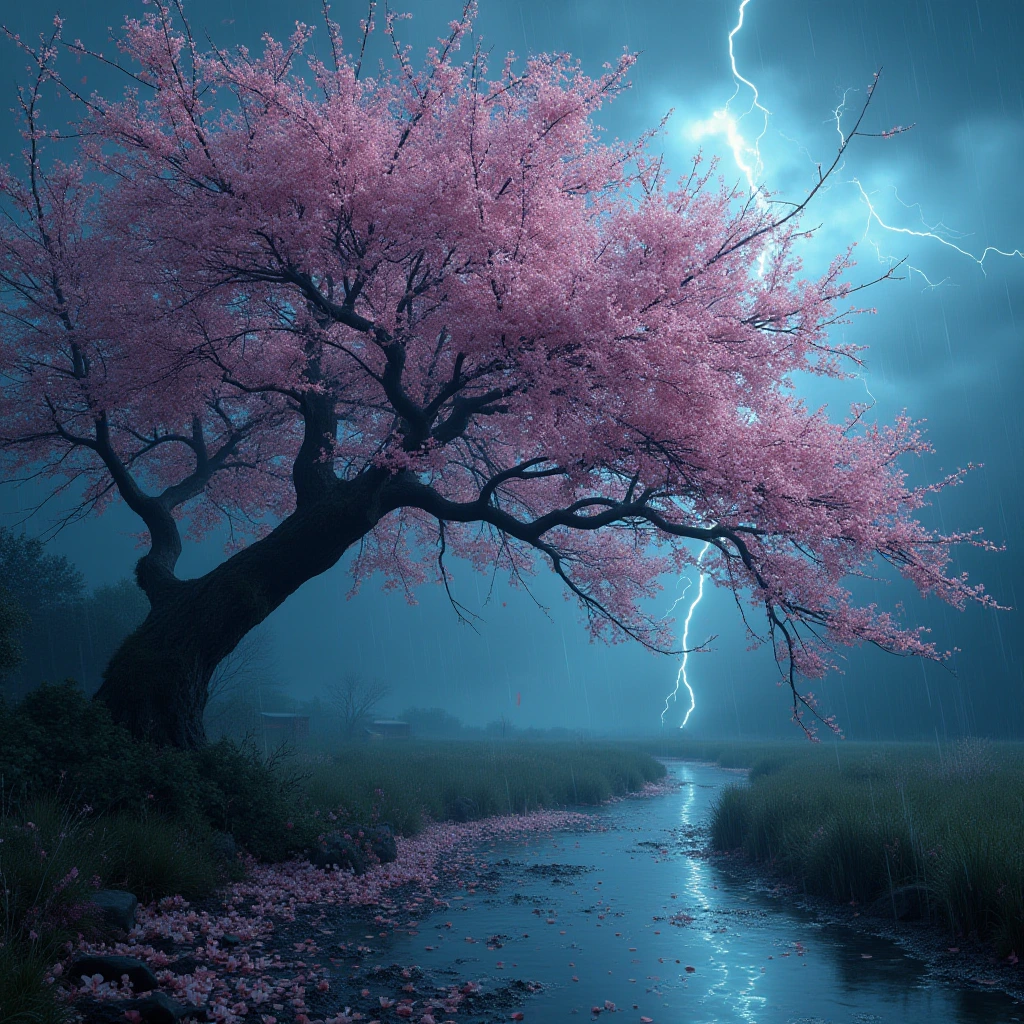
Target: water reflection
column 736, row 980
column 611, row 934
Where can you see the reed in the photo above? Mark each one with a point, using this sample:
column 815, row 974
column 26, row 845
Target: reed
column 859, row 822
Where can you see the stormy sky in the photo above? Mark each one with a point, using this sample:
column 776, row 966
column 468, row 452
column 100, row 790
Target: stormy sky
column 946, row 344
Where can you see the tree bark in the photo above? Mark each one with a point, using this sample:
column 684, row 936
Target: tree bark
column 157, row 682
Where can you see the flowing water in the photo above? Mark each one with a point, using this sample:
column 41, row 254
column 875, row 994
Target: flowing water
column 632, row 915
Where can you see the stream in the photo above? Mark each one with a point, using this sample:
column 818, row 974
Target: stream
column 634, row 916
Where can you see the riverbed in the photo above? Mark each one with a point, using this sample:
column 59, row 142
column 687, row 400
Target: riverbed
column 635, row 916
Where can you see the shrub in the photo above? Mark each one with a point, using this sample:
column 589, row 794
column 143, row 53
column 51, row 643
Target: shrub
column 26, row 997
column 57, row 741
column 155, row 857
column 260, row 801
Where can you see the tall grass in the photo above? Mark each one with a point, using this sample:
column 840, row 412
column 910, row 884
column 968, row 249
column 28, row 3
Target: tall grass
column 409, row 783
column 52, row 858
column 857, row 822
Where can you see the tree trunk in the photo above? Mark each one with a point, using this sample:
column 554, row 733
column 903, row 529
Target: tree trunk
column 157, row 681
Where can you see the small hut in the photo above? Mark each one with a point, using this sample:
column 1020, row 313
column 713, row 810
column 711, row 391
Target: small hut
column 388, row 729
column 281, row 727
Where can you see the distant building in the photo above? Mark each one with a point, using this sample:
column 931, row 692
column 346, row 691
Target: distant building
column 280, row 727
column 388, row 729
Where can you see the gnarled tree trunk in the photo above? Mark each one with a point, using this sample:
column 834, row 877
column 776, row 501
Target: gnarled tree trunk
column 157, row 682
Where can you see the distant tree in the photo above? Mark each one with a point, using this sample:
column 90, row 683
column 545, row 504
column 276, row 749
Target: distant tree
column 431, row 309
column 49, row 590
column 38, row 580
column 252, row 659
column 111, row 613
column 500, row 727
column 62, row 631
column 12, row 619
column 353, row 699
column 245, row 684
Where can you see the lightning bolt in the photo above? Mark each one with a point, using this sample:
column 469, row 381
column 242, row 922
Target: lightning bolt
column 681, row 674
column 873, row 215
column 931, row 231
column 747, row 155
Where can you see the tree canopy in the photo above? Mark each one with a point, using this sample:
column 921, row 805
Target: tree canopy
column 429, row 311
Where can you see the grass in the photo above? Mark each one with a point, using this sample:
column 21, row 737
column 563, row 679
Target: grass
column 410, row 783
column 51, row 858
column 854, row 822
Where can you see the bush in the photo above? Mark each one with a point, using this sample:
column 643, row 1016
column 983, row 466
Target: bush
column 155, row 857
column 57, row 741
column 260, row 801
column 44, row 878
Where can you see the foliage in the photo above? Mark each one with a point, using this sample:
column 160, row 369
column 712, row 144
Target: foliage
column 26, row 996
column 857, row 822
column 39, row 590
column 103, row 620
column 62, row 631
column 38, row 580
column 433, row 308
column 12, row 619
column 407, row 783
column 260, row 801
column 58, row 741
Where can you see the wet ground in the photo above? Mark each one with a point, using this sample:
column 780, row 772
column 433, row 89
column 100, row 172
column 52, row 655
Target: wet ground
column 636, row 917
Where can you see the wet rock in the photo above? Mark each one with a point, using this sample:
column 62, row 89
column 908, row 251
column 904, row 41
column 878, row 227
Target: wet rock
column 558, row 870
column 355, row 850
column 462, row 808
column 229, row 940
column 337, row 850
column 382, row 844
column 183, row 965
column 113, row 968
column 116, row 907
column 159, row 1009
column 154, row 1009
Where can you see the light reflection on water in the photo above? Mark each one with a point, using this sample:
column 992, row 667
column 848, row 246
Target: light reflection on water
column 736, row 981
column 755, row 960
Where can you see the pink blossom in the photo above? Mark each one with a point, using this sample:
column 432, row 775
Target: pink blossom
column 512, row 340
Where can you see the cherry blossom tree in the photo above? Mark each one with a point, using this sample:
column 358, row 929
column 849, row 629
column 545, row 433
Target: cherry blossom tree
column 426, row 312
